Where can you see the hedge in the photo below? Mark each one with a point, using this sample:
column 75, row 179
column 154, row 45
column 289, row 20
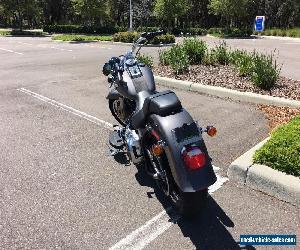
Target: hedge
column 129, row 37
column 230, row 32
column 56, row 28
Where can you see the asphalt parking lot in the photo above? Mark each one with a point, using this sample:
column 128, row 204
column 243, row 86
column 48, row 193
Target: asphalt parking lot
column 60, row 189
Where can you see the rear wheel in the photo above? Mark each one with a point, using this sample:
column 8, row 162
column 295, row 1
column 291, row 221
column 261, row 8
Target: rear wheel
column 189, row 204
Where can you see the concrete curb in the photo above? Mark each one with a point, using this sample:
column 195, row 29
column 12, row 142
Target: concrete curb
column 227, row 93
column 263, row 178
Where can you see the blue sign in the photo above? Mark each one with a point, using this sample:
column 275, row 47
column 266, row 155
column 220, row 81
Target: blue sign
column 259, row 23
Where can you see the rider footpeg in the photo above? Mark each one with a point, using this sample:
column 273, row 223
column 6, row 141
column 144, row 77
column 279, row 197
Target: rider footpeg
column 115, row 140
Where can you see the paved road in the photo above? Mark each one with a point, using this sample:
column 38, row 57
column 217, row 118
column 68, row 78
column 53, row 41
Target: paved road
column 60, row 189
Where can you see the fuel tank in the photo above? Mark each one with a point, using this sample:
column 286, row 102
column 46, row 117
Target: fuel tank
column 137, row 77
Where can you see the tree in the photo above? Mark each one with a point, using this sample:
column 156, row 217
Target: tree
column 235, row 13
column 90, row 12
column 169, row 10
column 56, row 11
column 18, row 11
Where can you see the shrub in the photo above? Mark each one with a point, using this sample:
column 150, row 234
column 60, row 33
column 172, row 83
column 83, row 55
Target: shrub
column 221, row 54
column 195, row 50
column 163, row 39
column 190, row 31
column 265, row 71
column 67, row 37
column 148, row 60
column 230, row 32
column 243, row 61
column 125, row 37
column 164, row 58
column 281, row 152
column 81, row 29
column 147, row 29
column 209, row 58
column 178, row 59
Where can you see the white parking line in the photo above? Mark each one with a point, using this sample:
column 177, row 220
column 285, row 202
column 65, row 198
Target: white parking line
column 141, row 237
column 160, row 223
column 11, row 51
column 69, row 109
column 156, row 226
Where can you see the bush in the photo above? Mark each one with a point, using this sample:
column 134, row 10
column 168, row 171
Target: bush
column 148, row 60
column 147, row 29
column 265, row 71
column 195, row 50
column 81, row 29
column 281, row 152
column 164, row 58
column 230, row 32
column 67, row 37
column 243, row 62
column 129, row 37
column 163, row 39
column 125, row 37
column 178, row 59
column 190, row 31
column 220, row 54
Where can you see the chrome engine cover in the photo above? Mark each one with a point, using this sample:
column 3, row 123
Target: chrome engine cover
column 133, row 145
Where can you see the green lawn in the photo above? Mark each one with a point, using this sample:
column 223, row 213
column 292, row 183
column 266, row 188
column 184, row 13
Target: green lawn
column 282, row 151
column 294, row 32
column 78, row 38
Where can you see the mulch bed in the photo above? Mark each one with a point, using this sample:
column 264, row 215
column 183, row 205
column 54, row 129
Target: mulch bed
column 228, row 77
column 278, row 115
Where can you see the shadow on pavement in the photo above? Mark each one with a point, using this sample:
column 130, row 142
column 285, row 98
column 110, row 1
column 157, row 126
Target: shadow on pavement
column 208, row 230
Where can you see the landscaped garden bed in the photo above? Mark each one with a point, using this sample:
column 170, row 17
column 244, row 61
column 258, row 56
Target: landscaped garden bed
column 220, row 66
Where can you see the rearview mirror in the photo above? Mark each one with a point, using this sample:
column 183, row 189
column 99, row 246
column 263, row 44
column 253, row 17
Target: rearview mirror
column 106, row 69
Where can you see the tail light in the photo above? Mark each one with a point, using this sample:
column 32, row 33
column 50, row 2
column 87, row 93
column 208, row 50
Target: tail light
column 193, row 158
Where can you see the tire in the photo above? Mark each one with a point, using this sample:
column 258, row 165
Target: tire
column 111, row 107
column 188, row 204
column 191, row 204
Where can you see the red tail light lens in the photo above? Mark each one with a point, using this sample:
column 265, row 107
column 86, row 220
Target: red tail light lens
column 193, row 158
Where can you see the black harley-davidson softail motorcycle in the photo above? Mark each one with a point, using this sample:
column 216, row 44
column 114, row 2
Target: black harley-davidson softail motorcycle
column 157, row 133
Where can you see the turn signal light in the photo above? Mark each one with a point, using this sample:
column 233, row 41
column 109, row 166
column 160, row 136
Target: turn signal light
column 157, row 150
column 193, row 158
column 211, row 131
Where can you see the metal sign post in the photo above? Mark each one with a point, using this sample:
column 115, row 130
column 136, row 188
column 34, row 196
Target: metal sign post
column 130, row 16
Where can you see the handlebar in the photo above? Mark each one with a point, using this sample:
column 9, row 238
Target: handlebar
column 115, row 64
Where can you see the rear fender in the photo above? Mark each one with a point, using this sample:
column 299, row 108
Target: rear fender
column 187, row 181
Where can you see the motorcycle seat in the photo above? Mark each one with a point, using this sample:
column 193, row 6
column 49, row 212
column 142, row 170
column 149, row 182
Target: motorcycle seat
column 160, row 103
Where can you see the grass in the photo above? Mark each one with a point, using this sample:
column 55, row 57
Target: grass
column 78, row 38
column 282, row 151
column 8, row 32
column 292, row 32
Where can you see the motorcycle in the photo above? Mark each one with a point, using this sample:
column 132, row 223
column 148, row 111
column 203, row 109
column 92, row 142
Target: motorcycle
column 157, row 133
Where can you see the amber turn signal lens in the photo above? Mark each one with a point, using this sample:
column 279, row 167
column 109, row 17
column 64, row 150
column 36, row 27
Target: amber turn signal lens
column 157, row 150
column 211, row 131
